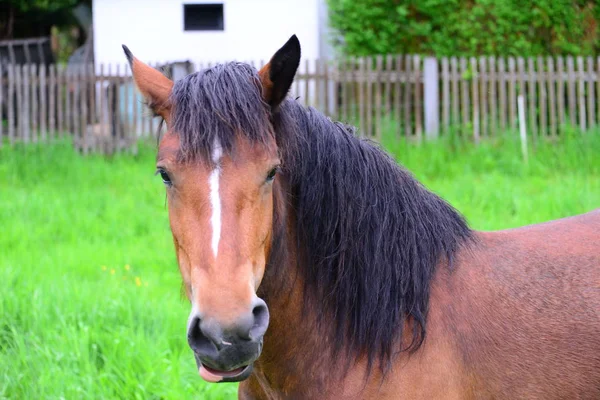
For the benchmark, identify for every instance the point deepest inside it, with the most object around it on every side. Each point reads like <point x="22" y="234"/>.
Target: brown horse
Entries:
<point x="291" y="231"/>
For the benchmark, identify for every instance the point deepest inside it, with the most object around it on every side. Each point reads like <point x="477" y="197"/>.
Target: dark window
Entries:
<point x="203" y="17"/>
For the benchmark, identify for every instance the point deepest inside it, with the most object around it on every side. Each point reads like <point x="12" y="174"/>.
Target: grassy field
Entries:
<point x="90" y="303"/>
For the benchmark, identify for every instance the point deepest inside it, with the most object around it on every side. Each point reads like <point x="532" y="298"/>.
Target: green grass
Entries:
<point x="494" y="188"/>
<point x="76" y="323"/>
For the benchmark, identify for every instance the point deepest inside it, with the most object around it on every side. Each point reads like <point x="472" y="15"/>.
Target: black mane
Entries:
<point x="370" y="233"/>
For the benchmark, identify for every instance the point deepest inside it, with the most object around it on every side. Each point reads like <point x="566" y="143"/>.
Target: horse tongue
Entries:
<point x="213" y="375"/>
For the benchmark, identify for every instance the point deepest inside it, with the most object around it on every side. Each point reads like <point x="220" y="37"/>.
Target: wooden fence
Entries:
<point x="408" y="95"/>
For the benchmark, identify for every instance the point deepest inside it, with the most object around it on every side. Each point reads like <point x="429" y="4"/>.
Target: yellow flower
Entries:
<point x="104" y="268"/>
<point x="112" y="271"/>
<point x="127" y="267"/>
<point x="138" y="281"/>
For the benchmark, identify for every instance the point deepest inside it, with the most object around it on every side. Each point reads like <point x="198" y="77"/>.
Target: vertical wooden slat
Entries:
<point x="111" y="144"/>
<point x="369" y="100"/>
<point x="378" y="100"/>
<point x="492" y="82"/>
<point x="317" y="85"/>
<point x="551" y="75"/>
<point x="571" y="90"/>
<point x="84" y="101"/>
<point x="336" y="84"/>
<point x="306" y="82"/>
<point x="581" y="93"/>
<point x="18" y="71"/>
<point x="21" y="115"/>
<point x="542" y="93"/>
<point x="591" y="101"/>
<point x="328" y="81"/>
<point x="61" y="99"/>
<point x="418" y="96"/>
<point x="33" y="74"/>
<point x="68" y="100"/>
<point x="76" y="104"/>
<point x="512" y="94"/>
<point x="445" y="94"/>
<point x="354" y="91"/>
<point x="91" y="78"/>
<point x="388" y="85"/>
<point x="323" y="85"/>
<point x="455" y="93"/>
<point x="52" y="101"/>
<point x="101" y="108"/>
<point x="330" y="72"/>
<point x="521" y="81"/>
<point x="408" y="92"/>
<point x="483" y="85"/>
<point x="11" y="103"/>
<point x="531" y="75"/>
<point x="126" y="124"/>
<point x="351" y="90"/>
<point x="117" y="110"/>
<point x="502" y="89"/>
<point x="26" y="103"/>
<point x="398" y="95"/>
<point x="475" y="91"/>
<point x="18" y="103"/>
<point x="343" y="90"/>
<point x="560" y="92"/>
<point x="43" y="102"/>
<point x="464" y="83"/>
<point x="361" y="95"/>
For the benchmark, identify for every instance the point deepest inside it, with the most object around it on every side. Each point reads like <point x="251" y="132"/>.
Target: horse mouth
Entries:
<point x="214" y="375"/>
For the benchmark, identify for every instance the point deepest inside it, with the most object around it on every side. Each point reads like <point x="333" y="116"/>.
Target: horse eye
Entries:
<point x="272" y="174"/>
<point x="165" y="177"/>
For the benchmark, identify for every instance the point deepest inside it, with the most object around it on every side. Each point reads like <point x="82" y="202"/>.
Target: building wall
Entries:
<point x="254" y="30"/>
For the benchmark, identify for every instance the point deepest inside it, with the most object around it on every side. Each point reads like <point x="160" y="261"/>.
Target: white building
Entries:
<point x="200" y="31"/>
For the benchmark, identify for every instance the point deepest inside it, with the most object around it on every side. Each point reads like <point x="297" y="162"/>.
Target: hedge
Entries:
<point x="466" y="28"/>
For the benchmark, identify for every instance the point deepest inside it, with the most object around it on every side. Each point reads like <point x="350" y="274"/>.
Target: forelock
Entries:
<point x="220" y="102"/>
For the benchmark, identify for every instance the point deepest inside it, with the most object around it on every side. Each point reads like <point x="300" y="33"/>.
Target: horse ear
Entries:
<point x="277" y="76"/>
<point x="153" y="85"/>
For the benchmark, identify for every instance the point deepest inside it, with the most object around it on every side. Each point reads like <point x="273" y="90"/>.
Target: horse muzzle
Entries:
<point x="227" y="354"/>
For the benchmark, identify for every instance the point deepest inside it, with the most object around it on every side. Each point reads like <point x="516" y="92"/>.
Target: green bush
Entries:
<point x="471" y="27"/>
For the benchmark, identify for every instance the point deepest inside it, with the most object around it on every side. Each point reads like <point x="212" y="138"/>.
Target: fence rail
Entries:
<point x="411" y="95"/>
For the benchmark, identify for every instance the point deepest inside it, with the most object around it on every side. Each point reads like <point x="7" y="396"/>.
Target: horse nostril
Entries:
<point x="205" y="341"/>
<point x="260" y="313"/>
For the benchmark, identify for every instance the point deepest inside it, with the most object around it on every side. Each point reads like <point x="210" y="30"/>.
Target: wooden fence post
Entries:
<point x="431" y="97"/>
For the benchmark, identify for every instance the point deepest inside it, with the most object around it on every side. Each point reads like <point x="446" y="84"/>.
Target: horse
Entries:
<point x="317" y="266"/>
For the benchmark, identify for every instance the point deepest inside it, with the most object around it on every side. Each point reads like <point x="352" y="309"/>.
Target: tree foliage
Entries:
<point x="28" y="18"/>
<point x="40" y="5"/>
<point x="467" y="27"/>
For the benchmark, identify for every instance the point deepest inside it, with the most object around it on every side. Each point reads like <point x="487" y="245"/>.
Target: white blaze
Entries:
<point x="215" y="200"/>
